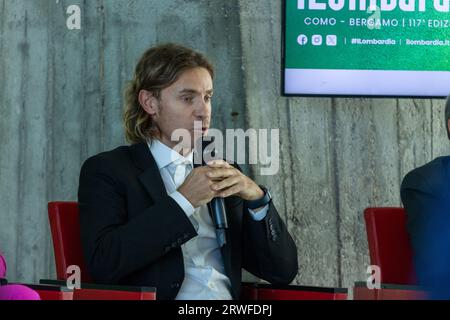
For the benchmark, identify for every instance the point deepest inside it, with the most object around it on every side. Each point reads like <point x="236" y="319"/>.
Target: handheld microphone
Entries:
<point x="217" y="205"/>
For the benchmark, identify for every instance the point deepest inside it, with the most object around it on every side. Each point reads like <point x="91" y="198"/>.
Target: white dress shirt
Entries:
<point x="205" y="277"/>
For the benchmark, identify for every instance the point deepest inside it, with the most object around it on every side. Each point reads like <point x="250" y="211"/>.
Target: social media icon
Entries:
<point x="331" y="40"/>
<point x="316" y="40"/>
<point x="302" y="40"/>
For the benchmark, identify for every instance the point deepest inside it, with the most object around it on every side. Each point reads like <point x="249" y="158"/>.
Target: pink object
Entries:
<point x="15" y="292"/>
<point x="2" y="267"/>
<point x="18" y="292"/>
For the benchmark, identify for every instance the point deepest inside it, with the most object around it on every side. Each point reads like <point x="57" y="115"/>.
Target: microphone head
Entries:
<point x="204" y="151"/>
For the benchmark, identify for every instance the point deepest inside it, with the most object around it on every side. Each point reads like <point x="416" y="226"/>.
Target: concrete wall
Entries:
<point x="61" y="97"/>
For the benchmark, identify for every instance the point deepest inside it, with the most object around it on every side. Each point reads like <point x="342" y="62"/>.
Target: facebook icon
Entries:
<point x="302" y="40"/>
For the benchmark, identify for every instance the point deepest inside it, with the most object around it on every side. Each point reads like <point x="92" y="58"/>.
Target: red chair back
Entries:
<point x="65" y="229"/>
<point x="389" y="244"/>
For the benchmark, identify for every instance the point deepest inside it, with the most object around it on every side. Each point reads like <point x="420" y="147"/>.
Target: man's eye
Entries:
<point x="188" y="99"/>
<point x="208" y="98"/>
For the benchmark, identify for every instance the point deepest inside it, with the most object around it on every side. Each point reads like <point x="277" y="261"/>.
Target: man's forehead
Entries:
<point x="197" y="80"/>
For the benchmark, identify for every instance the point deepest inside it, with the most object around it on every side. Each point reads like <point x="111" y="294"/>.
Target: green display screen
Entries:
<point x="358" y="47"/>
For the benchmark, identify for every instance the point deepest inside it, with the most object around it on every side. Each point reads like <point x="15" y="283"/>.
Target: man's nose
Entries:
<point x="202" y="110"/>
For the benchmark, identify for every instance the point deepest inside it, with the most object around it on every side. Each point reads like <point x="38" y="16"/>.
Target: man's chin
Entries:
<point x="200" y="133"/>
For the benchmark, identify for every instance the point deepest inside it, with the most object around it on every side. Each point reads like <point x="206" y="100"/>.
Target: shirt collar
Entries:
<point x="164" y="155"/>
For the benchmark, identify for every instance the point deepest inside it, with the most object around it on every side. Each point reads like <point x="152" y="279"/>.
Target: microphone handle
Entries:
<point x="217" y="205"/>
<point x="219" y="216"/>
<point x="219" y="212"/>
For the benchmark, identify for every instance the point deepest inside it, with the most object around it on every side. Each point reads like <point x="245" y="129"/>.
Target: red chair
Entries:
<point x="389" y="244"/>
<point x="390" y="249"/>
<point x="65" y="229"/>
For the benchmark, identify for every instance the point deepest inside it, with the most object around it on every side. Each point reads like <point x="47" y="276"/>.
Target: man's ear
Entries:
<point x="148" y="102"/>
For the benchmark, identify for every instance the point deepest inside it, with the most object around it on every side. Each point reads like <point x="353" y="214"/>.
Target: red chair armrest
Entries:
<point x="259" y="291"/>
<point x="388" y="291"/>
<point x="102" y="294"/>
<point x="50" y="292"/>
<point x="107" y="292"/>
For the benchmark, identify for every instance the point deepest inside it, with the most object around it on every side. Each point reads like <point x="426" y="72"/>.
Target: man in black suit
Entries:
<point x="143" y="208"/>
<point x="425" y="193"/>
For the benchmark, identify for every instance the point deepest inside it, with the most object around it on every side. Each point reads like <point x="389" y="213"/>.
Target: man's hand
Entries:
<point x="197" y="187"/>
<point x="228" y="181"/>
<point x="218" y="179"/>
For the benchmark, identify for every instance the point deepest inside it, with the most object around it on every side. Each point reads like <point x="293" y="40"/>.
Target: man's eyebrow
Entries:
<point x="192" y="91"/>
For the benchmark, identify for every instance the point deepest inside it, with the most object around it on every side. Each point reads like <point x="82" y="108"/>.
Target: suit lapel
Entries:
<point x="150" y="177"/>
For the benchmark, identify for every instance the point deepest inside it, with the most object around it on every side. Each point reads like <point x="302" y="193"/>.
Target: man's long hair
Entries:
<point x="157" y="69"/>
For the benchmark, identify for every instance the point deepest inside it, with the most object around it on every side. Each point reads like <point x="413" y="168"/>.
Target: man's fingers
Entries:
<point x="225" y="183"/>
<point x="221" y="173"/>
<point x="231" y="191"/>
<point x="219" y="164"/>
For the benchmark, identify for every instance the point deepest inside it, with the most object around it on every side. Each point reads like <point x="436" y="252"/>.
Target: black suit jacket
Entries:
<point x="425" y="193"/>
<point x="132" y="231"/>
